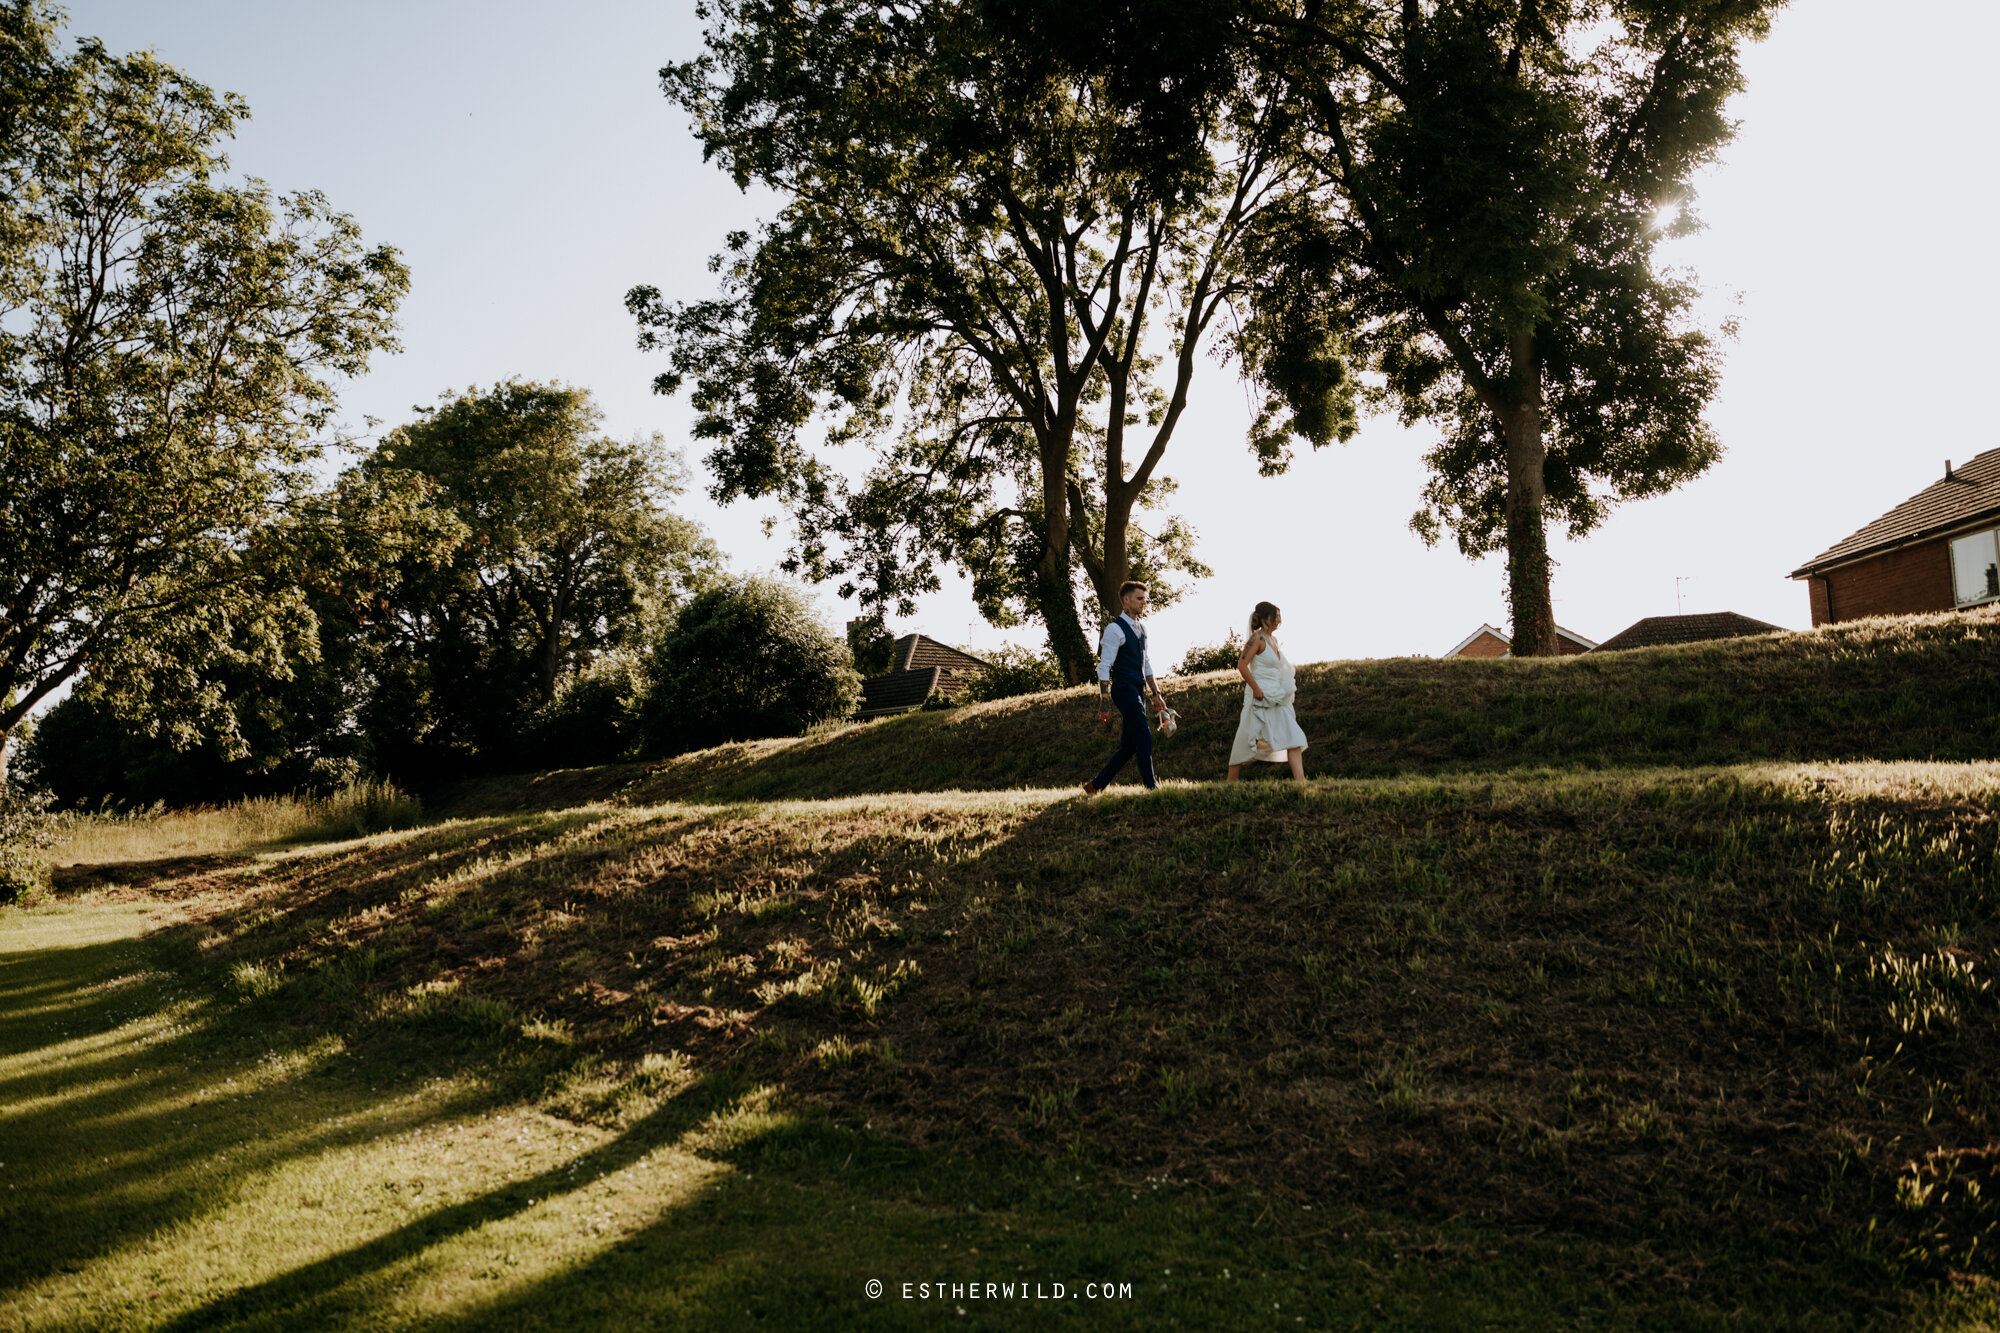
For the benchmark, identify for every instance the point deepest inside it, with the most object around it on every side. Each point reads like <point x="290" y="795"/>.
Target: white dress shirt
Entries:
<point x="1114" y="639"/>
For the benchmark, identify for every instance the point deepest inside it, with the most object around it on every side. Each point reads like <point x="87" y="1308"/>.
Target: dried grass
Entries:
<point x="146" y="835"/>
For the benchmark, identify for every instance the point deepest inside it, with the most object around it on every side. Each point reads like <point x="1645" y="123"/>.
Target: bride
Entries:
<point x="1268" y="730"/>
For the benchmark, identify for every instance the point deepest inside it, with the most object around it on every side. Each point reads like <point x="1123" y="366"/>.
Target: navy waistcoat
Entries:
<point x="1130" y="663"/>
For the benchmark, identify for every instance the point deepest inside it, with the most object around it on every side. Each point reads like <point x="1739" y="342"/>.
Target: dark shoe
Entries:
<point x="1091" y="789"/>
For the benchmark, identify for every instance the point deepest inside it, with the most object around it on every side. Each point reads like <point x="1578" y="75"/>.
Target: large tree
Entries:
<point x="296" y="726"/>
<point x="1493" y="178"/>
<point x="168" y="350"/>
<point x="1486" y="183"/>
<point x="571" y="551"/>
<point x="986" y="268"/>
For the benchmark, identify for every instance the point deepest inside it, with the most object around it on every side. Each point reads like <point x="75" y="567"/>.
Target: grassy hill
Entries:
<point x="1540" y="1030"/>
<point x="1919" y="687"/>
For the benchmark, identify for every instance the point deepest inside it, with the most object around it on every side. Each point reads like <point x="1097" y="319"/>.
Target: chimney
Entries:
<point x="1947" y="471"/>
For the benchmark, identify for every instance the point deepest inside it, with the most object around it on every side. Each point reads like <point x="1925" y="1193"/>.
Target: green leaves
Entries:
<point x="566" y="551"/>
<point x="987" y="270"/>
<point x="166" y="381"/>
<point x="1477" y="228"/>
<point x="745" y="659"/>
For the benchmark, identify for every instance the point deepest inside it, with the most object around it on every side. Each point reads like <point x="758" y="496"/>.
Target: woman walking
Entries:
<point x="1268" y="730"/>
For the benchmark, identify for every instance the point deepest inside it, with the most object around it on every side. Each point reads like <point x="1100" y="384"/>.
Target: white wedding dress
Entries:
<point x="1269" y="720"/>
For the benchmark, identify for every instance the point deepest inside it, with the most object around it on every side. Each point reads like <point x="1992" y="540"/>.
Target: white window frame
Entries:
<point x="1992" y="537"/>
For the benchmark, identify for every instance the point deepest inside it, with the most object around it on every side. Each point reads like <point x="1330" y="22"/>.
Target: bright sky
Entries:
<point x="522" y="158"/>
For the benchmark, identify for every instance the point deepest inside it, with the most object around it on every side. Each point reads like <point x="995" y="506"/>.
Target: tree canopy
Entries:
<point x="169" y="345"/>
<point x="1493" y="180"/>
<point x="1480" y="190"/>
<point x="985" y="268"/>
<point x="571" y="551"/>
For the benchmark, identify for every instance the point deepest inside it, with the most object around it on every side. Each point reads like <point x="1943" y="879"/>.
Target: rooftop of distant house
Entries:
<point x="1967" y="494"/>
<point x="1655" y="631"/>
<point x="915" y="651"/>
<point x="1487" y="641"/>
<point x="918" y="668"/>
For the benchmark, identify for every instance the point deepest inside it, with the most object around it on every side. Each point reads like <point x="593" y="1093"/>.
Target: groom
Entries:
<point x="1124" y="673"/>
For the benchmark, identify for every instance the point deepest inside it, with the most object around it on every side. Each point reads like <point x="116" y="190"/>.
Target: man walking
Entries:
<point x="1124" y="676"/>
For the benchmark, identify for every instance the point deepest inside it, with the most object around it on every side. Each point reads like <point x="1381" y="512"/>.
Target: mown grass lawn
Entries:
<point x="172" y="1167"/>
<point x="1655" y="1050"/>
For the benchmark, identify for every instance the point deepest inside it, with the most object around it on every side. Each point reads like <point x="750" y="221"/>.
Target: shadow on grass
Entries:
<point x="1591" y="1007"/>
<point x="121" y="1139"/>
<point x="316" y="1293"/>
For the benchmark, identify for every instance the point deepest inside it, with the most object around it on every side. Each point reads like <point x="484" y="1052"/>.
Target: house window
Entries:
<point x="1975" y="568"/>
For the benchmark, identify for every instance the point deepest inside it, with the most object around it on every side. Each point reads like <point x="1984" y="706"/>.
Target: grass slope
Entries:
<point x="1666" y="1048"/>
<point x="1920" y="687"/>
<point x="1570" y="1004"/>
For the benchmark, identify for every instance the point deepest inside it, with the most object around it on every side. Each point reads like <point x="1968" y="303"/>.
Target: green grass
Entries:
<point x="1639" y="1049"/>
<point x="1919" y="687"/>
<point x="172" y="1168"/>
<point x="1613" y="992"/>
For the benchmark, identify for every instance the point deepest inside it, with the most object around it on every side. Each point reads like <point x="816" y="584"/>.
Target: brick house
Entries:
<point x="1487" y="641"/>
<point x="919" y="668"/>
<point x="1936" y="551"/>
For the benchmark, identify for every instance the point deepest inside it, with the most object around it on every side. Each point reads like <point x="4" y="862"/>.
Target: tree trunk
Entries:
<point x="550" y="665"/>
<point x="1051" y="597"/>
<point x="1116" y="561"/>
<point x="1529" y="603"/>
<point x="1055" y="603"/>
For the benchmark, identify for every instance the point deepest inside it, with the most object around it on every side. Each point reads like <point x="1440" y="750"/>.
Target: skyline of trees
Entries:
<point x="1008" y="233"/>
<point x="168" y="350"/>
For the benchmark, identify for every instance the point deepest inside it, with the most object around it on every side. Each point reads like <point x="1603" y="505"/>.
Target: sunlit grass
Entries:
<point x="146" y="835"/>
<point x="175" y="1165"/>
<point x="1911" y="687"/>
<point x="710" y="1065"/>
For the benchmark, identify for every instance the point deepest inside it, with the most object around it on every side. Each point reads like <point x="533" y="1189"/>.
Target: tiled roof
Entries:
<point x="914" y="651"/>
<point x="1971" y="493"/>
<point x="1656" y="630"/>
<point x="896" y="691"/>
<point x="1585" y="644"/>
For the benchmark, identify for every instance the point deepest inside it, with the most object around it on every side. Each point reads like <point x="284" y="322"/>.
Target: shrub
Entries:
<point x="744" y="660"/>
<point x="597" y="719"/>
<point x="27" y="831"/>
<point x="1015" y="670"/>
<point x="1211" y="657"/>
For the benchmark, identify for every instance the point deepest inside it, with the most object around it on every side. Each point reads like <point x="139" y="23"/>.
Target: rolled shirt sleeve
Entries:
<point x="1107" y="651"/>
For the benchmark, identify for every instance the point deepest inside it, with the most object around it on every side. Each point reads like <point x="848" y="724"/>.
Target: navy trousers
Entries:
<point x="1136" y="739"/>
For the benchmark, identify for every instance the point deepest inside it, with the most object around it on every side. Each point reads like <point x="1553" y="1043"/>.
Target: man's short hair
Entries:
<point x="1127" y="588"/>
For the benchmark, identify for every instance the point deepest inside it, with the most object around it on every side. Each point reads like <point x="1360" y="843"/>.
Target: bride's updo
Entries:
<point x="1264" y="613"/>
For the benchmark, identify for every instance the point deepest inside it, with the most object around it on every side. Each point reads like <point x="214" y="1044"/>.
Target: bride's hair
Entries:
<point x="1261" y="615"/>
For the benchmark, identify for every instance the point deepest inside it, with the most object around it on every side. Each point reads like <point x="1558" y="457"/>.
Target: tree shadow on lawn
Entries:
<point x="131" y="1138"/>
<point x="819" y="1209"/>
<point x="319" y="1293"/>
<point x="163" y="877"/>
<point x="139" y="1076"/>
<point x="1430" y="999"/>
